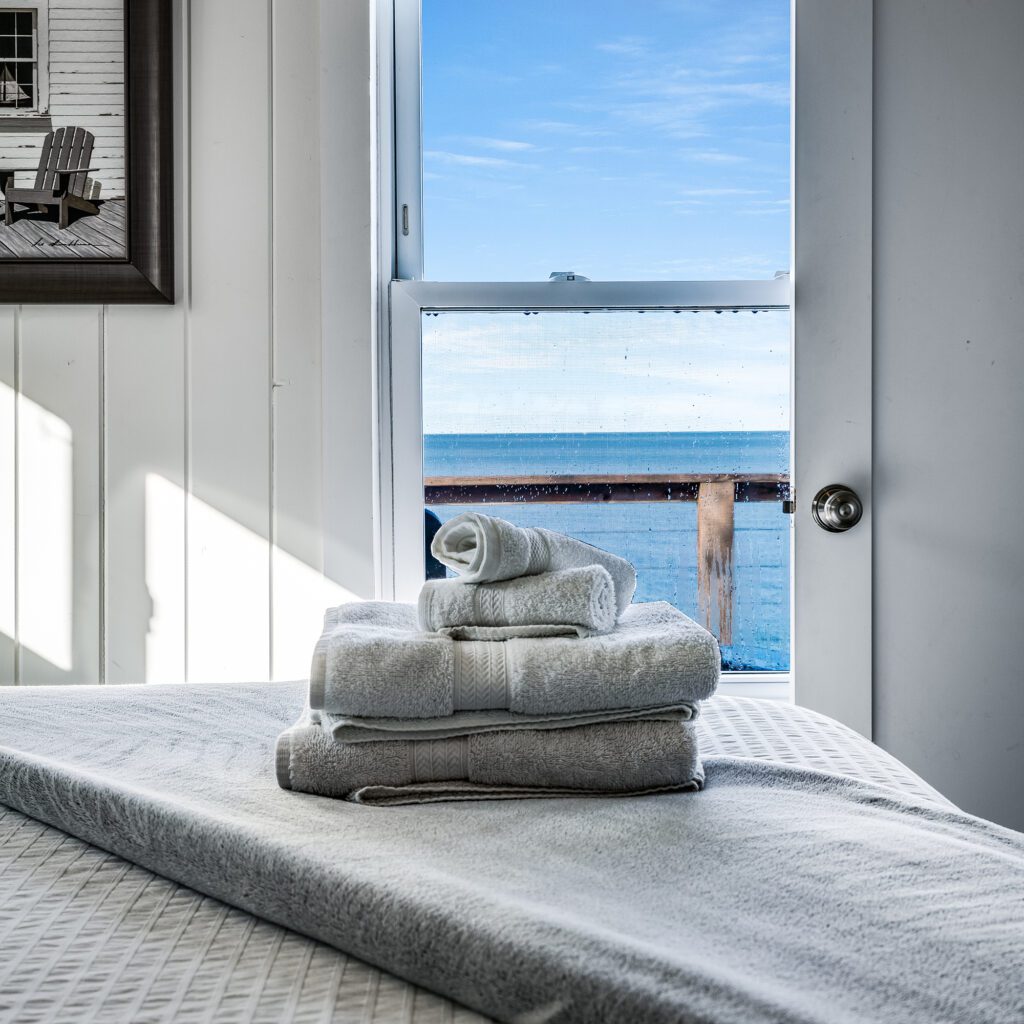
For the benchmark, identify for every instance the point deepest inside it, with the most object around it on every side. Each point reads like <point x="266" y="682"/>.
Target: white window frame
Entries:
<point x="41" y="9"/>
<point x="405" y="296"/>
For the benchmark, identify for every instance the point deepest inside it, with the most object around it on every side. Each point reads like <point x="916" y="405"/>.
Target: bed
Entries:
<point x="87" y="935"/>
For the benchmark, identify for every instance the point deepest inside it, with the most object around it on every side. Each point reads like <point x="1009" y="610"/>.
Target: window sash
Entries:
<point x="39" y="10"/>
<point x="400" y="397"/>
<point x="405" y="296"/>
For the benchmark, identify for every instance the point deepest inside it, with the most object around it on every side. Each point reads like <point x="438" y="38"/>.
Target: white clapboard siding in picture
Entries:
<point x="82" y="59"/>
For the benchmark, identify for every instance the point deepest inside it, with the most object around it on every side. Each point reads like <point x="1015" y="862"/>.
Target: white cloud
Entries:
<point x="627" y="46"/>
<point x="605" y="371"/>
<point x="503" y="145"/>
<point x="724" y="192"/>
<point x="714" y="156"/>
<point x="468" y="159"/>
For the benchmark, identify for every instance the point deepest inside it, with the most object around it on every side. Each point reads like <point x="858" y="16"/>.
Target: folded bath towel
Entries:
<point x="462" y="723"/>
<point x="566" y="602"/>
<point x="619" y="757"/>
<point x="483" y="549"/>
<point x="372" y="661"/>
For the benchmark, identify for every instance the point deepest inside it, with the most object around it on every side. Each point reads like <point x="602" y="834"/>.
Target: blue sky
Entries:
<point x="623" y="140"/>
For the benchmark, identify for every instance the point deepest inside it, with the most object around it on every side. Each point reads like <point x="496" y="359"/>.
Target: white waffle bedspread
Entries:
<point x="87" y="936"/>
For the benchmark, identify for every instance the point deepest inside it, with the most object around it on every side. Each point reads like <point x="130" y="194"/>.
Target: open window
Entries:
<point x="588" y="327"/>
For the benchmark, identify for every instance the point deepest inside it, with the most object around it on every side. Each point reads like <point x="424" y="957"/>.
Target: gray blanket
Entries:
<point x="778" y="894"/>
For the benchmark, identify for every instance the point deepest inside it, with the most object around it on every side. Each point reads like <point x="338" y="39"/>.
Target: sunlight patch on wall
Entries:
<point x="45" y="533"/>
<point x="301" y="594"/>
<point x="228" y="596"/>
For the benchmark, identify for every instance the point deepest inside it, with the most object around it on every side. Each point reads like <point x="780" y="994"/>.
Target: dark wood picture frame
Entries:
<point x="146" y="275"/>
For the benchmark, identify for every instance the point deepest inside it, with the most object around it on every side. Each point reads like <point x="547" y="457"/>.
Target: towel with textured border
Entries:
<point x="566" y="602"/>
<point x="372" y="661"/>
<point x="483" y="549"/>
<point x="628" y="757"/>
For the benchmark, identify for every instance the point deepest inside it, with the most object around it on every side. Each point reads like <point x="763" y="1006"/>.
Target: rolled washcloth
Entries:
<point x="372" y="661"/>
<point x="482" y="549"/>
<point x="619" y="757"/>
<point x="566" y="602"/>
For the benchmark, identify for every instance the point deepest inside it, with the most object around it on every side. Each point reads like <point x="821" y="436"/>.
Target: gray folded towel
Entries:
<point x="616" y="757"/>
<point x="372" y="661"/>
<point x="462" y="723"/>
<point x="483" y="549"/>
<point x="566" y="602"/>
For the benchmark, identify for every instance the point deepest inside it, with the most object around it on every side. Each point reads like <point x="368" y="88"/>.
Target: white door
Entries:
<point x="667" y="419"/>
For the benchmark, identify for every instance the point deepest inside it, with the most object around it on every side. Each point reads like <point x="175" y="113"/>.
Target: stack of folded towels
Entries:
<point x="530" y="674"/>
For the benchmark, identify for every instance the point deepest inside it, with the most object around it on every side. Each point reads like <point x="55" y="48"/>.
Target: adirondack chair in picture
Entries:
<point x="60" y="177"/>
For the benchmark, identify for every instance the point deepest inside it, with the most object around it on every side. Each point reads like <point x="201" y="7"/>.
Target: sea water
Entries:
<point x="659" y="538"/>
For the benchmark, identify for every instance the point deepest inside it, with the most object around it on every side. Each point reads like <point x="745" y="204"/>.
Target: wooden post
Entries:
<point x="715" y="587"/>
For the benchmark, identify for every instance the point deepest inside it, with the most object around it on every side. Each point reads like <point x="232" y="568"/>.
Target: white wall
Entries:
<point x="949" y="396"/>
<point x="162" y="468"/>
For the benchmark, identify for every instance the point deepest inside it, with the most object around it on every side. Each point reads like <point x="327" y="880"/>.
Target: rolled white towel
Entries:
<point x="566" y="602"/>
<point x="482" y="549"/>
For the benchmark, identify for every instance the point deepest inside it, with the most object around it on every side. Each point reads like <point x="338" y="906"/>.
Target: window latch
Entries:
<point x="566" y="275"/>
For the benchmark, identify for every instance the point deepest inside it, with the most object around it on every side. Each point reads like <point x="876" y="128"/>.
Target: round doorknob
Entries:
<point x="836" y="508"/>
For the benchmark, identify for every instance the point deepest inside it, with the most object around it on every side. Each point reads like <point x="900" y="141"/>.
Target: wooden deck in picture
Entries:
<point x="35" y="235"/>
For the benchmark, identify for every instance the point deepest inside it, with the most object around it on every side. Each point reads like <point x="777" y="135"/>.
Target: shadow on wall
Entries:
<point x="224" y="644"/>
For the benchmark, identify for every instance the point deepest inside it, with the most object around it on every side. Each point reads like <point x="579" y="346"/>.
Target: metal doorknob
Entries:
<point x="836" y="508"/>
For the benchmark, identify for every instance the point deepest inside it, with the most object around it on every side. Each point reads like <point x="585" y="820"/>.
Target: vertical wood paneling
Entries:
<point x="59" y="495"/>
<point x="349" y="297"/>
<point x="299" y="591"/>
<point x="146" y="470"/>
<point x="171" y="511"/>
<point x="229" y="354"/>
<point x="8" y="478"/>
<point x="145" y="495"/>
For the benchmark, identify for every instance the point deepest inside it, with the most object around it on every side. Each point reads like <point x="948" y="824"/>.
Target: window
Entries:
<point x="23" y="51"/>
<point x="641" y="402"/>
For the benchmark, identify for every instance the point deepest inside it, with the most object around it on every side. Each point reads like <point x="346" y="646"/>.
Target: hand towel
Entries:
<point x="483" y="549"/>
<point x="373" y="662"/>
<point x="614" y="757"/>
<point x="566" y="602"/>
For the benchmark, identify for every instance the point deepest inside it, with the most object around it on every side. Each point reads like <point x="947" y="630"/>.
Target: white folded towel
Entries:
<point x="567" y="602"/>
<point x="372" y="661"/>
<point x="482" y="549"/>
<point x="464" y="723"/>
<point x="610" y="758"/>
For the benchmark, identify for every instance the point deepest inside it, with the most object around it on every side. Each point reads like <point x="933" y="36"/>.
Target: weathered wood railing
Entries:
<point x="714" y="493"/>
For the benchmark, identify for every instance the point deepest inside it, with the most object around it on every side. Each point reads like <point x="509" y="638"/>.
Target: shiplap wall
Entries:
<point x="162" y="468"/>
<point x="85" y="64"/>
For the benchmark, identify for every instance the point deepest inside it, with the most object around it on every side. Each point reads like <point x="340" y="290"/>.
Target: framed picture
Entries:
<point x="86" y="151"/>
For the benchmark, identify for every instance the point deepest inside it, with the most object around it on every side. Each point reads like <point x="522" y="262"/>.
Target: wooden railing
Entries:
<point x="715" y="494"/>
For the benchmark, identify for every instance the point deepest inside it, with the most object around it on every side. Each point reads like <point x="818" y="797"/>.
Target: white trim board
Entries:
<point x="832" y="336"/>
